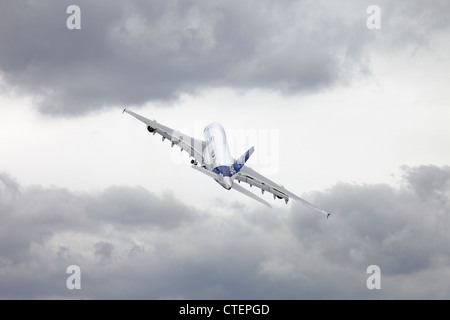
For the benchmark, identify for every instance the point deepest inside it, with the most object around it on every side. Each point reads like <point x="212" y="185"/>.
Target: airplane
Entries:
<point x="211" y="157"/>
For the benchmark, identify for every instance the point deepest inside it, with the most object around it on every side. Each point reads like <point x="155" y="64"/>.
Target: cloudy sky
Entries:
<point x="353" y="119"/>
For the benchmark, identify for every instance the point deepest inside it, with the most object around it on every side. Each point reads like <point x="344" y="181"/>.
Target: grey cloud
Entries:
<point x="413" y="22"/>
<point x="133" y="53"/>
<point x="138" y="52"/>
<point x="285" y="253"/>
<point x="104" y="250"/>
<point x="134" y="207"/>
<point x="429" y="181"/>
<point x="401" y="230"/>
<point x="33" y="216"/>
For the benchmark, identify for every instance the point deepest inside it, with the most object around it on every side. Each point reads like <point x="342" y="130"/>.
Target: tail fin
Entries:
<point x="239" y="163"/>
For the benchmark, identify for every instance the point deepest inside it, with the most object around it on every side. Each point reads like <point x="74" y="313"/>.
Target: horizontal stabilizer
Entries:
<point x="250" y="194"/>
<point x="207" y="172"/>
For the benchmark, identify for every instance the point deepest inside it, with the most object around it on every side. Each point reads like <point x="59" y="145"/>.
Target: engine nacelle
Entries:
<point x="150" y="129"/>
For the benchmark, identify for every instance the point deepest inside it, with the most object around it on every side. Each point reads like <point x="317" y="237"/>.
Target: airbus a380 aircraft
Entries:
<point x="212" y="157"/>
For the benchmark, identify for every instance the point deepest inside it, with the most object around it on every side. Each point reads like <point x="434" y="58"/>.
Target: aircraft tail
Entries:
<point x="239" y="163"/>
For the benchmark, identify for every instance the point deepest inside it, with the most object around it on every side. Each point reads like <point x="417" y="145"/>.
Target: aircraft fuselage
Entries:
<point x="217" y="154"/>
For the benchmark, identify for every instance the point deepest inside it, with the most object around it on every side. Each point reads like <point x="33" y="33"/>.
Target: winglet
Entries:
<point x="328" y="215"/>
<point x="124" y="110"/>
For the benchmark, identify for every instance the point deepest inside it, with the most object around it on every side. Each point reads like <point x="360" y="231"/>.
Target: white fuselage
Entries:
<point x="217" y="154"/>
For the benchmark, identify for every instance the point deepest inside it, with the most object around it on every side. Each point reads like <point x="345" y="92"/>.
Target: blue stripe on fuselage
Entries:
<point x="224" y="170"/>
<point x="237" y="166"/>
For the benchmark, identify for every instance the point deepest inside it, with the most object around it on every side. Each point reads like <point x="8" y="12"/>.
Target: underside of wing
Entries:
<point x="253" y="178"/>
<point x="193" y="147"/>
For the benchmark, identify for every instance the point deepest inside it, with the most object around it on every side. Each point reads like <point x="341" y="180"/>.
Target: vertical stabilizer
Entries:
<point x="239" y="163"/>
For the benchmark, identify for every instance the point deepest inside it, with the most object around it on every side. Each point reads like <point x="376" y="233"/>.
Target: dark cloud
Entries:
<point x="130" y="243"/>
<point x="33" y="216"/>
<point x="401" y="230"/>
<point x="135" y="52"/>
<point x="429" y="181"/>
<point x="132" y="207"/>
<point x="104" y="250"/>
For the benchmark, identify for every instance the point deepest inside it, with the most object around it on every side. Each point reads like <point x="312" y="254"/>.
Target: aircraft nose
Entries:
<point x="227" y="183"/>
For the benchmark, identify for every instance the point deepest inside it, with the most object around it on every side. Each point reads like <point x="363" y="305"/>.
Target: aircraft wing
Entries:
<point x="193" y="147"/>
<point x="253" y="178"/>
